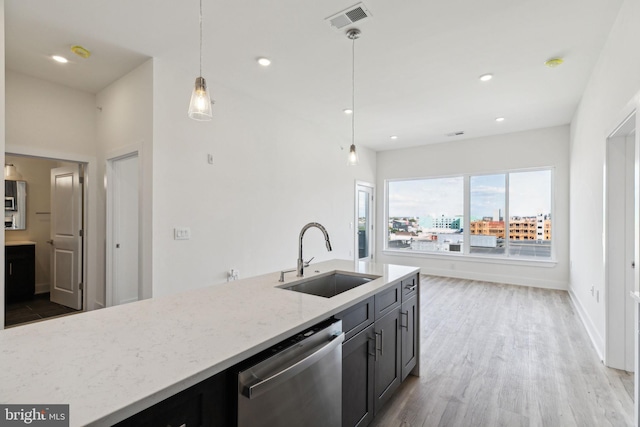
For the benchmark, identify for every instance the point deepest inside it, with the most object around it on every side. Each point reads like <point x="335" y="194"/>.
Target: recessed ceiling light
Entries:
<point x="499" y="119"/>
<point x="486" y="77"/>
<point x="348" y="111"/>
<point x="60" y="59"/>
<point x="265" y="62"/>
<point x="394" y="137"/>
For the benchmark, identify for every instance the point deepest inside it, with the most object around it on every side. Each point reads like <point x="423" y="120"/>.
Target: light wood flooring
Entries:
<point x="502" y="355"/>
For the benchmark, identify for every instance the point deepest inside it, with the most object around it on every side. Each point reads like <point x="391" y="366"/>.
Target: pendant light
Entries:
<point x="353" y="34"/>
<point x="200" y="105"/>
<point x="11" y="174"/>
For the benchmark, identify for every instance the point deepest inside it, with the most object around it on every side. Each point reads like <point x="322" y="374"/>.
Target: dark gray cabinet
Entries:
<point x="19" y="272"/>
<point x="409" y="335"/>
<point x="205" y="404"/>
<point x="381" y="349"/>
<point x="387" y="357"/>
<point x="358" y="379"/>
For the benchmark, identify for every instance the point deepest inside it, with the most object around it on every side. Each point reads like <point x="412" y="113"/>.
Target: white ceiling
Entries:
<point x="417" y="61"/>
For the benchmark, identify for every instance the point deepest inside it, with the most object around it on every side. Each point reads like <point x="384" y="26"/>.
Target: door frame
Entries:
<point x="616" y="230"/>
<point x="90" y="191"/>
<point x="372" y="213"/>
<point x="112" y="157"/>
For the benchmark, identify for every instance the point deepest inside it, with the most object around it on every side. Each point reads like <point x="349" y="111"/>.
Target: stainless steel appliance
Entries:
<point x="9" y="203"/>
<point x="295" y="383"/>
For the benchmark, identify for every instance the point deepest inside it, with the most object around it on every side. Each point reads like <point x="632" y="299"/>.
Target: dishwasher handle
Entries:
<point x="291" y="371"/>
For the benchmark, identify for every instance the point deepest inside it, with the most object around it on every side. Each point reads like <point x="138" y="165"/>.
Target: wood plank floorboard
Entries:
<point x="504" y="355"/>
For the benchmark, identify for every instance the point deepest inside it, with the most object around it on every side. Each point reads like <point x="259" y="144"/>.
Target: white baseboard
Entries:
<point x="497" y="278"/>
<point x="42" y="288"/>
<point x="596" y="339"/>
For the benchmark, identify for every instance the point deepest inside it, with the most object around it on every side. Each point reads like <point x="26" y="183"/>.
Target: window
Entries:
<point x="509" y="215"/>
<point x="487" y="214"/>
<point x="426" y="215"/>
<point x="530" y="203"/>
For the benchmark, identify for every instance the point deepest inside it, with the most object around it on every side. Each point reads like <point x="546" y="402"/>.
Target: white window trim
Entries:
<point x="467" y="256"/>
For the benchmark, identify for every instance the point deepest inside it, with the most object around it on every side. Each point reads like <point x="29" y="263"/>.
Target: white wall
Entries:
<point x="272" y="174"/>
<point x="48" y="116"/>
<point x="606" y="101"/>
<point x="535" y="148"/>
<point x="124" y="125"/>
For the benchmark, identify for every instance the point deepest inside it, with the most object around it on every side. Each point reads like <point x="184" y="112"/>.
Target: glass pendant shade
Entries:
<point x="353" y="156"/>
<point x="200" y="106"/>
<point x="11" y="174"/>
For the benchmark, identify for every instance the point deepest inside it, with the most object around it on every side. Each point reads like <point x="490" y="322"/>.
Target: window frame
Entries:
<point x="466" y="255"/>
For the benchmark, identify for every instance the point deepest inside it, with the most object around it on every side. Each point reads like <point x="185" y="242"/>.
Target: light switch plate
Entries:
<point x="181" y="233"/>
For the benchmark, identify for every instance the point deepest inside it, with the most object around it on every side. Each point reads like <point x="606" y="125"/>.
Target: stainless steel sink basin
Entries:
<point x="329" y="285"/>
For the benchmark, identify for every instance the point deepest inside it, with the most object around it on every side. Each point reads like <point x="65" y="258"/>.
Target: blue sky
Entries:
<point x="529" y="194"/>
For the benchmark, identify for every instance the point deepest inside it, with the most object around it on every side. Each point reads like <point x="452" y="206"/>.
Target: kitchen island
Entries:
<point x="112" y="363"/>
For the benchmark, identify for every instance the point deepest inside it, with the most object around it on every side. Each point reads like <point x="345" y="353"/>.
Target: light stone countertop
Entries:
<point x="19" y="243"/>
<point x="112" y="363"/>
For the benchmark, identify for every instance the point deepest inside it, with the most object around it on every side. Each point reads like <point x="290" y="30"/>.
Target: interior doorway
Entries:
<point x="123" y="230"/>
<point x="45" y="258"/>
<point x="364" y="238"/>
<point x="620" y="251"/>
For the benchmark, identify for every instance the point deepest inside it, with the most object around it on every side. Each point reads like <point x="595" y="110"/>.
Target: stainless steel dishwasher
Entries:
<point x="295" y="383"/>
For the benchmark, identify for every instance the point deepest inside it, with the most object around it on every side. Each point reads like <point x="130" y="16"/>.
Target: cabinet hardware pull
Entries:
<point x="375" y="342"/>
<point x="381" y="335"/>
<point x="10" y="269"/>
<point x="378" y="348"/>
<point x="404" y="313"/>
<point x="410" y="287"/>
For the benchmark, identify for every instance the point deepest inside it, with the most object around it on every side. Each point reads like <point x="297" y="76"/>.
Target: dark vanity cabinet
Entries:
<point x="380" y="350"/>
<point x="19" y="272"/>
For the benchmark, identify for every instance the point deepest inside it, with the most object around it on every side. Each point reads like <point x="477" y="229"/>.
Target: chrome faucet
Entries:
<point x="301" y="263"/>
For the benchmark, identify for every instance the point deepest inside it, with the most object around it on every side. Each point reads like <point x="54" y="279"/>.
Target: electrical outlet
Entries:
<point x="233" y="274"/>
<point x="181" y="233"/>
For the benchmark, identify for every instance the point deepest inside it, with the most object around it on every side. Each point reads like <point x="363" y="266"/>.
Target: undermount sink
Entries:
<point x="329" y="285"/>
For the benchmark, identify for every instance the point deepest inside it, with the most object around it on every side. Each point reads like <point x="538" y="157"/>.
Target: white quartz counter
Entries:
<point x="110" y="364"/>
<point x="19" y="243"/>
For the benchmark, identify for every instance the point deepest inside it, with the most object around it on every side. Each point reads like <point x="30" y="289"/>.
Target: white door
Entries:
<point x="123" y="234"/>
<point x="66" y="237"/>
<point x="364" y="222"/>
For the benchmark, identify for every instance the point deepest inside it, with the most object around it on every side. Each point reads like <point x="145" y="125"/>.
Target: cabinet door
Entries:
<point x="358" y="379"/>
<point x="387" y="357"/>
<point x="356" y="318"/>
<point x="387" y="301"/>
<point x="408" y="323"/>
<point x="203" y="405"/>
<point x="19" y="272"/>
<point x="410" y="287"/>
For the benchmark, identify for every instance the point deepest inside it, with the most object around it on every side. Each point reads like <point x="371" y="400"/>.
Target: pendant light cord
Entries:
<point x="353" y="90"/>
<point x="200" y="38"/>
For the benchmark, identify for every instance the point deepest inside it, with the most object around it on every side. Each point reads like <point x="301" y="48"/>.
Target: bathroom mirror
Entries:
<point x="15" y="205"/>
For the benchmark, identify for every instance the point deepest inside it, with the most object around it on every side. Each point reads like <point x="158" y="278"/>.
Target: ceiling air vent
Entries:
<point x="355" y="13"/>
<point x="458" y="133"/>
